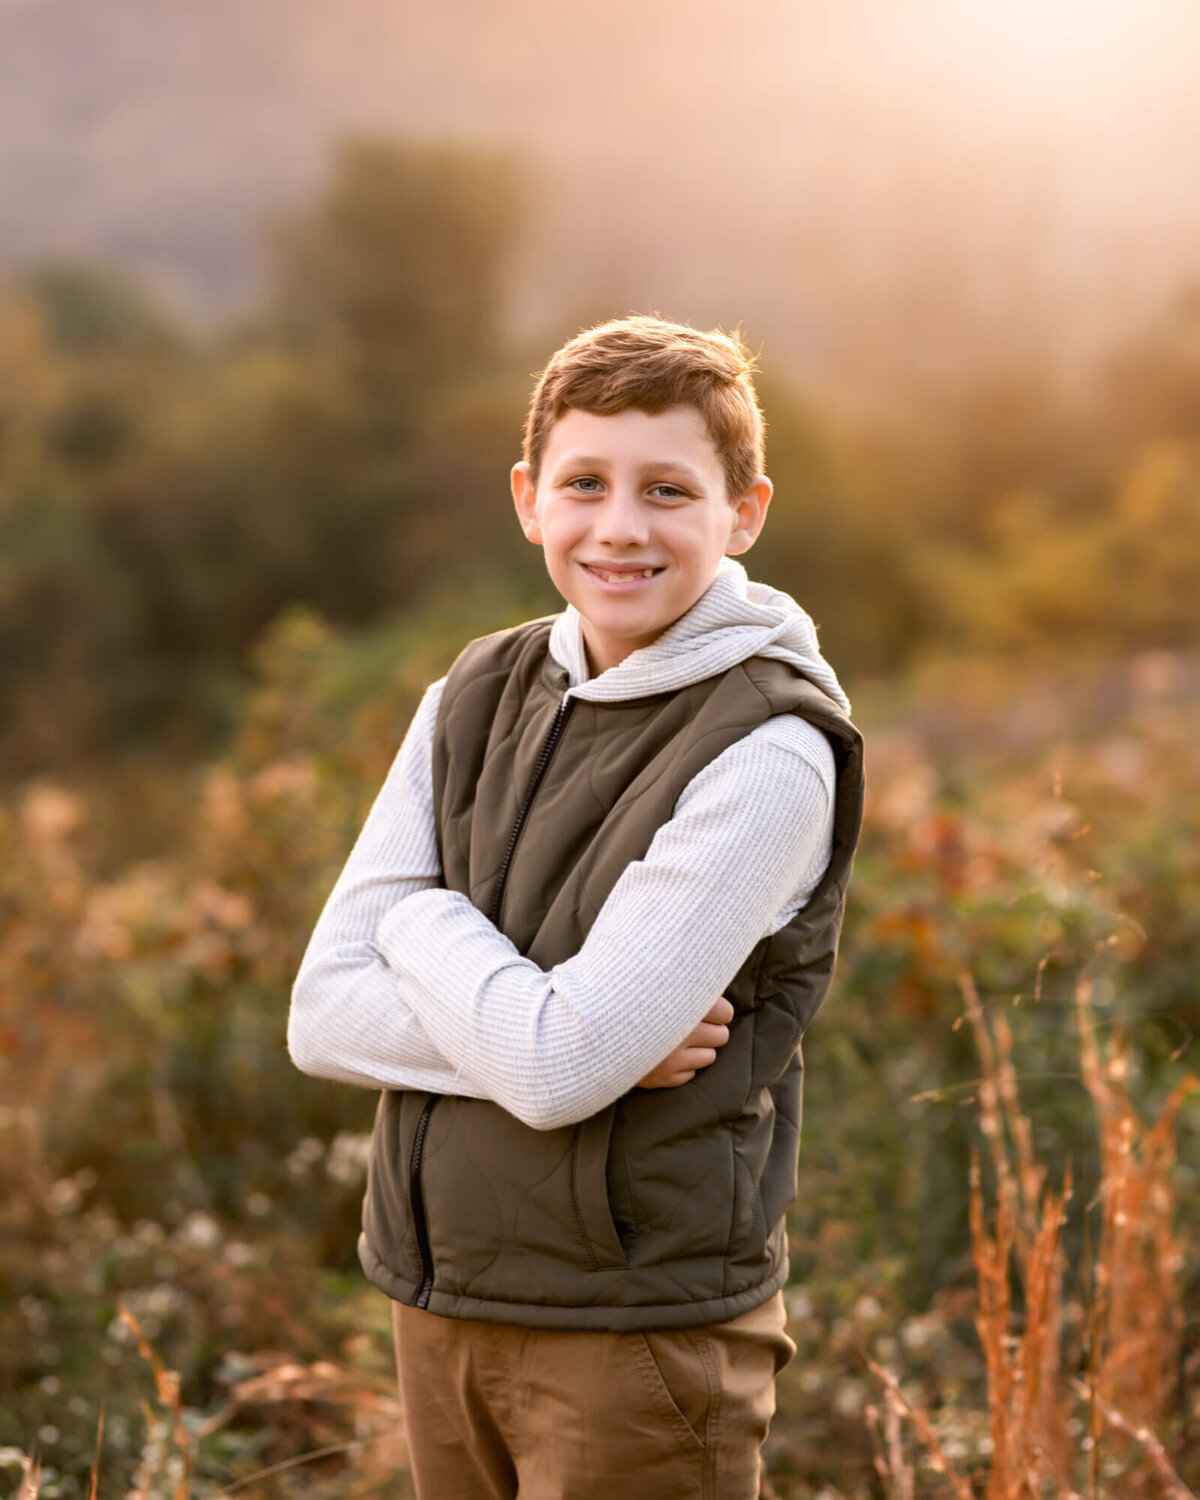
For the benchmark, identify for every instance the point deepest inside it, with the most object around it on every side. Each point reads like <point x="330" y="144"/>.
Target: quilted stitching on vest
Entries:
<point x="666" y="1208"/>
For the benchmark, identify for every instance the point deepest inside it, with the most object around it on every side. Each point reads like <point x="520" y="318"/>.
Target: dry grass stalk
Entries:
<point x="1030" y="1175"/>
<point x="892" y="1430"/>
<point x="891" y="1463"/>
<point x="94" y="1482"/>
<point x="1030" y="1444"/>
<point x="280" y="1380"/>
<point x="1135" y="1321"/>
<point x="31" y="1478"/>
<point x="331" y="1450"/>
<point x="1175" y="1489"/>
<point x="149" y="1459"/>
<point x="1138" y="1328"/>
<point x="924" y="1428"/>
<point x="380" y="1449"/>
<point x="992" y="1322"/>
<point x="991" y="1103"/>
<point x="166" y="1383"/>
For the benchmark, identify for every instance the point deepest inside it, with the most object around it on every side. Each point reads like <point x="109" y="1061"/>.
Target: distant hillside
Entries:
<point x="158" y="131"/>
<point x="823" y="174"/>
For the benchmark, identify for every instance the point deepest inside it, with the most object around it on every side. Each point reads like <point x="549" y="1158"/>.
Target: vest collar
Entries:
<point x="733" y="620"/>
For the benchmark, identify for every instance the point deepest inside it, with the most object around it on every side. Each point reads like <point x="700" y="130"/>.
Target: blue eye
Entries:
<point x="584" y="482"/>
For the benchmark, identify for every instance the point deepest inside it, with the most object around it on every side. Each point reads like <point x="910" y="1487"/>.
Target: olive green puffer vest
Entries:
<point x="666" y="1208"/>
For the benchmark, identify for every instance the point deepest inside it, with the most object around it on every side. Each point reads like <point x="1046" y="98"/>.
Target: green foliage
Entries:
<point x="165" y="497"/>
<point x="161" y="501"/>
<point x="397" y="272"/>
<point x="830" y="540"/>
<point x="1151" y="386"/>
<point x="1121" y="576"/>
<point x="260" y="548"/>
<point x="157" y="1148"/>
<point x="97" y="310"/>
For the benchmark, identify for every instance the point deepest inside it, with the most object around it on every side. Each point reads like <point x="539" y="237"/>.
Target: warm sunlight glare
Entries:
<point x="1053" y="56"/>
<point x="1067" y="26"/>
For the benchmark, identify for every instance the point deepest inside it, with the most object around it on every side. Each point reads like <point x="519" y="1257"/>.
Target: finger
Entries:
<point x="668" y="1080"/>
<point x="698" y="1057"/>
<point x="720" y="1013"/>
<point x="708" y="1036"/>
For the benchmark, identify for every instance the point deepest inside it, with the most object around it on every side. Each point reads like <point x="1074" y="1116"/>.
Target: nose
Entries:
<point x="620" y="520"/>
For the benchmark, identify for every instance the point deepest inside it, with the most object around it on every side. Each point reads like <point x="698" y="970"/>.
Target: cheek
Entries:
<point x="558" y="541"/>
<point x="557" y="534"/>
<point x="697" y="548"/>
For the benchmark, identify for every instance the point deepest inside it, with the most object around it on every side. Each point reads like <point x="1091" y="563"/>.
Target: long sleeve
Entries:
<point x="747" y="842"/>
<point x="349" y="1018"/>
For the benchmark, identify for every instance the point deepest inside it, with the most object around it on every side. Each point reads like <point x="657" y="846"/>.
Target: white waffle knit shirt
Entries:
<point x="406" y="985"/>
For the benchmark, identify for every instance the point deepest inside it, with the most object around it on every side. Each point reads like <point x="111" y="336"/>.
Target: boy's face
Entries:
<point x="633" y="515"/>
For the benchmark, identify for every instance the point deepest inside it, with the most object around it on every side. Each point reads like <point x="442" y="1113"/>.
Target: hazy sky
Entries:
<point x="844" y="178"/>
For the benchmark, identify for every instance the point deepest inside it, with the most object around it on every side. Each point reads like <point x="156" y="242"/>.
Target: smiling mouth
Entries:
<point x="620" y="575"/>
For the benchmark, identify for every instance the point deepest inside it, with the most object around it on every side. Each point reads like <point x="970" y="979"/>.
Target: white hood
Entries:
<point x="733" y="620"/>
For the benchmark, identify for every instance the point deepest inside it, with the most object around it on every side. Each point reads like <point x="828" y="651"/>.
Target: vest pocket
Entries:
<point x="516" y="1214"/>
<point x="387" y="1217"/>
<point x="589" y="1190"/>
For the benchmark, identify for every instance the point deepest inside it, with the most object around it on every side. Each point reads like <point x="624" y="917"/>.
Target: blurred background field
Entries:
<point x="272" y="287"/>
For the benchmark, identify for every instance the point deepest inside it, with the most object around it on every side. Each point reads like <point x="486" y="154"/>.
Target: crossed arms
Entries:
<point x="408" y="985"/>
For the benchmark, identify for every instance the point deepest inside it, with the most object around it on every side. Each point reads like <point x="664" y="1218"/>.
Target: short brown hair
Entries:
<point x="651" y="365"/>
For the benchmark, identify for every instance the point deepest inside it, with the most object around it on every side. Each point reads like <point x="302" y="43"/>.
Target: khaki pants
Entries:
<point x="494" y="1413"/>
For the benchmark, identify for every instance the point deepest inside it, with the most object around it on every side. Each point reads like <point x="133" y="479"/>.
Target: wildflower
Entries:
<point x="64" y="1197"/>
<point x="849" y="1398"/>
<point x="305" y="1155"/>
<point x="348" y="1156"/>
<point x="199" y="1231"/>
<point x="800" y="1306"/>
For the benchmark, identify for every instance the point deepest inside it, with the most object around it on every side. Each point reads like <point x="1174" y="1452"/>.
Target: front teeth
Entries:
<point x="614" y="577"/>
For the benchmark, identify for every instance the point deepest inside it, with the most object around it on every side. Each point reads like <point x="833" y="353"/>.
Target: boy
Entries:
<point x="577" y="942"/>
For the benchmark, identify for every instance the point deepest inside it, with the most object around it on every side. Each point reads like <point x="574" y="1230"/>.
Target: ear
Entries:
<point x="749" y="514"/>
<point x="524" y="493"/>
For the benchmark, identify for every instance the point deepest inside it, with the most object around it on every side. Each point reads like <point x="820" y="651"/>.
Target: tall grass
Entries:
<point x="1077" y="1407"/>
<point x="302" y="1397"/>
<point x="158" y="1153"/>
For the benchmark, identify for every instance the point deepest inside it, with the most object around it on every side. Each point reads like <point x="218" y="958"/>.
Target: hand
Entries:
<point x="695" y="1051"/>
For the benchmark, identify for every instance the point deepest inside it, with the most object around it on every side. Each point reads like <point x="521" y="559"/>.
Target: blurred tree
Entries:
<point x="1152" y="546"/>
<point x="229" y="508"/>
<point x="93" y="309"/>
<point x="835" y="539"/>
<point x="162" y="499"/>
<point x="458" y="524"/>
<point x="397" y="272"/>
<point x="1120" y="577"/>
<point x="31" y="376"/>
<point x="119" y="345"/>
<point x="1151" y="385"/>
<point x="64" y="609"/>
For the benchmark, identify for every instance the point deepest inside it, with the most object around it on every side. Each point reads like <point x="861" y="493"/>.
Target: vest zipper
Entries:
<point x="417" y="1201"/>
<point x="416" y="1197"/>
<point x="561" y="716"/>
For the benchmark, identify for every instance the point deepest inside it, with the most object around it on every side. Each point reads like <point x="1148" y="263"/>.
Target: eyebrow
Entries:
<point x="657" y="466"/>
